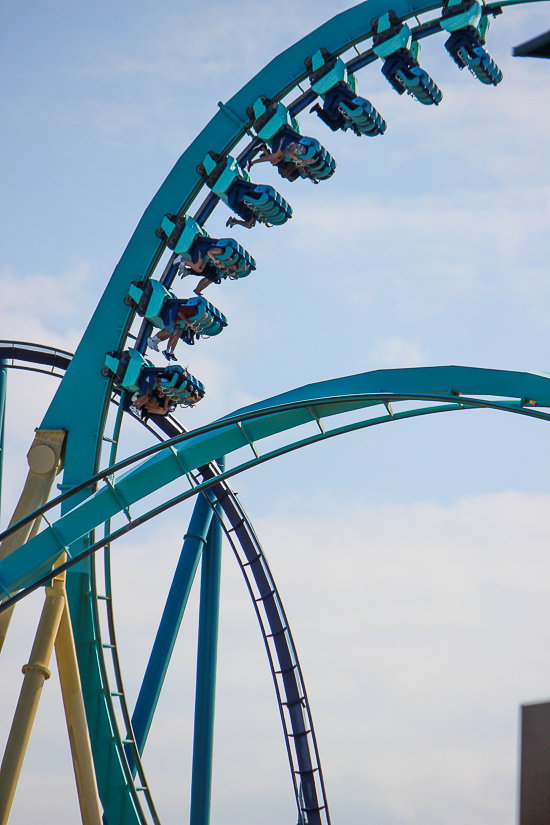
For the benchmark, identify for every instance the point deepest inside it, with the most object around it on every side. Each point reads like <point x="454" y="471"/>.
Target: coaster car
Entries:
<point x="250" y="201"/>
<point x="468" y="28"/>
<point x="342" y="107"/>
<point x="189" y="240"/>
<point x="136" y="374"/>
<point x="306" y="157"/>
<point x="393" y="43"/>
<point x="161" y="309"/>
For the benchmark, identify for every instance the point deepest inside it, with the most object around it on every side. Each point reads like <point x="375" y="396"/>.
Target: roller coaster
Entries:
<point x="111" y="368"/>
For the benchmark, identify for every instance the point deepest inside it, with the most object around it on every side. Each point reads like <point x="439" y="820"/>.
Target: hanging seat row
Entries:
<point x="161" y="307"/>
<point x="468" y="27"/>
<point x="281" y="142"/>
<point x="135" y="374"/>
<point x="192" y="243"/>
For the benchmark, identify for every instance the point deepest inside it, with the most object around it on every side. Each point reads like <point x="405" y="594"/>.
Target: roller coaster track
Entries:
<point x="283" y="659"/>
<point x="84" y="508"/>
<point x="520" y="393"/>
<point x="19" y="354"/>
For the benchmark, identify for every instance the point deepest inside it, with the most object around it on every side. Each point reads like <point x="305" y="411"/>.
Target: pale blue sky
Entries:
<point x="412" y="559"/>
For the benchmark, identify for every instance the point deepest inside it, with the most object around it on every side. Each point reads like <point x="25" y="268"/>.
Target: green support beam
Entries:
<point x="207" y="657"/>
<point x="521" y="392"/>
<point x="108" y="328"/>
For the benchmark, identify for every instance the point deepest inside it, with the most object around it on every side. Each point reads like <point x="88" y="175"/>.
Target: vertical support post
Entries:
<point x="3" y="395"/>
<point x="534" y="791"/>
<point x="205" y="697"/>
<point x="79" y="738"/>
<point x="45" y="459"/>
<point x="36" y="672"/>
<point x="170" y="622"/>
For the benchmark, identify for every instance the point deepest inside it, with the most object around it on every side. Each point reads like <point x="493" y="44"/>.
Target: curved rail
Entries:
<point x="521" y="393"/>
<point x="111" y="322"/>
<point x="15" y="351"/>
<point x="301" y="743"/>
<point x="527" y="390"/>
<point x="290" y="690"/>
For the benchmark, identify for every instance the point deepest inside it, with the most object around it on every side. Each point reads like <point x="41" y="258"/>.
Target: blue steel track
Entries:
<point x="84" y="508"/>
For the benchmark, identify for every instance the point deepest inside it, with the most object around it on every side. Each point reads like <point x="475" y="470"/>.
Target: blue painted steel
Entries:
<point x="205" y="695"/>
<point x="107" y="332"/>
<point x="305" y="766"/>
<point x="335" y="396"/>
<point x="3" y="394"/>
<point x="170" y="622"/>
<point x="12" y="351"/>
<point x="465" y="404"/>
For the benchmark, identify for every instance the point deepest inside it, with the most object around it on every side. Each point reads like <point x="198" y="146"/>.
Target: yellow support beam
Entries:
<point x="45" y="459"/>
<point x="73" y="701"/>
<point x="35" y="674"/>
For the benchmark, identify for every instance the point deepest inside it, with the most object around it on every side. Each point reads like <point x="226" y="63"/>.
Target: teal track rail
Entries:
<point x="107" y="331"/>
<point x="464" y="387"/>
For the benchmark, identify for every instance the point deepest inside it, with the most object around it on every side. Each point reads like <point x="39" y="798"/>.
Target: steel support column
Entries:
<point x="170" y="622"/>
<point x="35" y="674"/>
<point x="3" y="393"/>
<point x="203" y="740"/>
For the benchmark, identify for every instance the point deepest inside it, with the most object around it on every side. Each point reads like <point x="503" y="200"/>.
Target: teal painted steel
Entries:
<point x="465" y="404"/>
<point x="170" y="622"/>
<point x="467" y="385"/>
<point x="207" y="657"/>
<point x="3" y="395"/>
<point x="107" y="331"/>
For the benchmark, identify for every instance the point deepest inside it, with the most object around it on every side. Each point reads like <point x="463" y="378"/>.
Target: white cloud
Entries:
<point x="48" y="309"/>
<point x="420" y="629"/>
<point x="393" y="351"/>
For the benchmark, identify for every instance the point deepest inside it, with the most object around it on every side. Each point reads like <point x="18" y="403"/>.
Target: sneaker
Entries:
<point x="153" y="344"/>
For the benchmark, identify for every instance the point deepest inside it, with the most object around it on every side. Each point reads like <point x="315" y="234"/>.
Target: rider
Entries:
<point x="173" y="330"/>
<point x="287" y="147"/>
<point x="153" y="401"/>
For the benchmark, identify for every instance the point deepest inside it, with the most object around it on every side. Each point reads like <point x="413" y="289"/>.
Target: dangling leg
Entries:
<point x="172" y="343"/>
<point x="203" y="283"/>
<point x="154" y="341"/>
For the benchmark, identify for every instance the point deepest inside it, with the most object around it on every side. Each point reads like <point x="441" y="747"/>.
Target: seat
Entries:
<point x="468" y="53"/>
<point x="174" y="382"/>
<point x="207" y="319"/>
<point x="342" y="107"/>
<point x="316" y="161"/>
<point x="406" y="76"/>
<point x="278" y="129"/>
<point x="468" y="28"/>
<point x="247" y="199"/>
<point x="394" y="44"/>
<point x="234" y="262"/>
<point x="359" y="115"/>
<point x="264" y="202"/>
